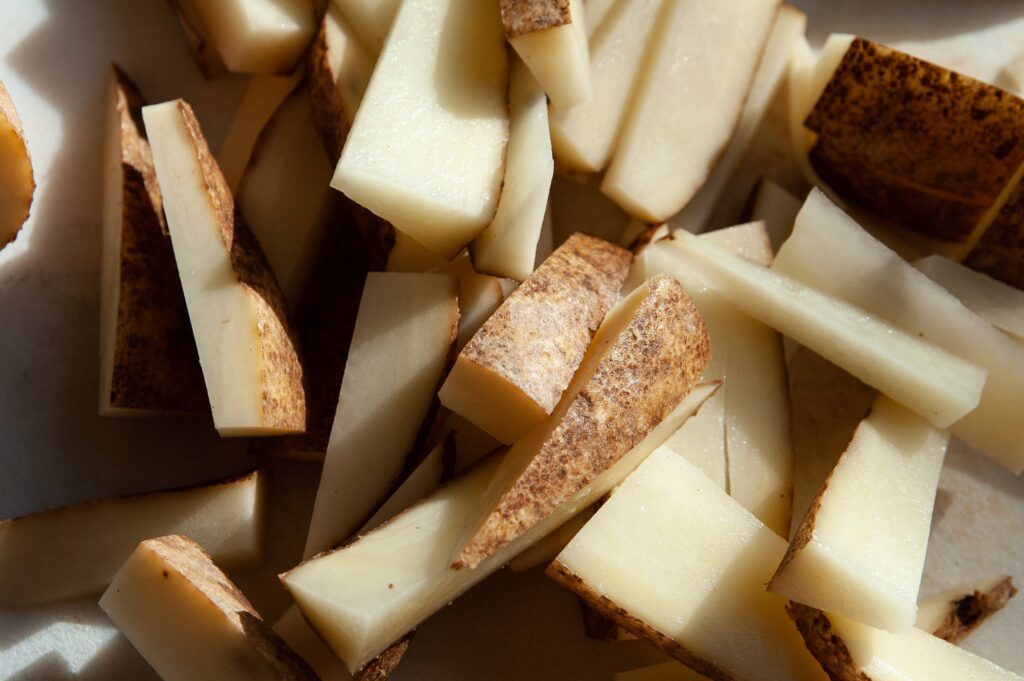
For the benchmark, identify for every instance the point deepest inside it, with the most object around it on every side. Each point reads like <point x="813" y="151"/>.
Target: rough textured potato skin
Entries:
<point x="924" y="146"/>
<point x="652" y="365"/>
<point x="325" y="101"/>
<point x="283" y="400"/>
<point x="827" y="648"/>
<point x="527" y="16"/>
<point x="1000" y="251"/>
<point x="538" y="336"/>
<point x="189" y="561"/>
<point x="607" y="608"/>
<point x="382" y="666"/>
<point x="967" y="614"/>
<point x="155" y="364"/>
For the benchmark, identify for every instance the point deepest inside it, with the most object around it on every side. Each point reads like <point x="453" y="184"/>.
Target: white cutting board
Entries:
<point x="54" y="450"/>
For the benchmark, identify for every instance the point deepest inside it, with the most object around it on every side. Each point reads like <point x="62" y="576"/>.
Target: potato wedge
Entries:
<point x="17" y="183"/>
<point x="647" y="355"/>
<point x="170" y="594"/>
<point x="148" y="357"/>
<point x="995" y="302"/>
<point x="547" y="322"/>
<point x="246" y="346"/>
<point x="953" y="615"/>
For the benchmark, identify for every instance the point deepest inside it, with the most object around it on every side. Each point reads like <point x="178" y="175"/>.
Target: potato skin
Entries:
<point x="827" y="648"/>
<point x="528" y="16"/>
<point x="927" y="148"/>
<point x="968" y="613"/>
<point x="1000" y="251"/>
<point x="18" y="186"/>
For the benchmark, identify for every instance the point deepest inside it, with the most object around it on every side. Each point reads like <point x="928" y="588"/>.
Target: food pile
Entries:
<point x="547" y="284"/>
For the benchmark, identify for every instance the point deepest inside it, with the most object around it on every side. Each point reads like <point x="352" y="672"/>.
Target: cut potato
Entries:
<point x="826" y="406"/>
<point x="999" y="252"/>
<point x="550" y="36"/>
<point x="409" y="255"/>
<point x="204" y="52"/>
<point x="831" y="253"/>
<point x="260" y="102"/>
<point x="584" y="136"/>
<point x="1011" y="76"/>
<point x="790" y="24"/>
<point x="932" y="150"/>
<point x="437" y="175"/>
<point x="577" y="205"/>
<point x="548" y="548"/>
<point x="647" y="355"/>
<point x="259" y="37"/>
<point x="547" y="323"/>
<point x="685" y="110"/>
<point x="285" y="197"/>
<point x="953" y="615"/>
<point x="927" y="379"/>
<point x="246" y="348"/>
<point x="701" y="440"/>
<point x="508" y="247"/>
<point x="17" y="182"/>
<point x="372" y="19"/>
<point x="479" y="296"/>
<point x="859" y="551"/>
<point x="400" y="349"/>
<point x="296" y="632"/>
<point x="169" y="595"/>
<point x="362" y="598"/>
<point x="596" y="11"/>
<point x="148" y="360"/>
<point x="850" y="651"/>
<point x="995" y="302"/>
<point x="339" y="69"/>
<point x="675" y="560"/>
<point x="76" y="550"/>
<point x="777" y="208"/>
<point x="423" y="480"/>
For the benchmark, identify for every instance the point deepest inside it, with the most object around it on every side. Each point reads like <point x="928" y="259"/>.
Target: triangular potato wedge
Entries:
<point x="648" y="354"/>
<point x="550" y="36"/>
<point x="17" y="183"/>
<point x="148" y="358"/>
<point x="248" y="352"/>
<point x="548" y="323"/>
<point x="169" y="596"/>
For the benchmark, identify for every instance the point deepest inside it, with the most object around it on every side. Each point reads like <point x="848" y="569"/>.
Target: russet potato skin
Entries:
<point x="927" y="148"/>
<point x="828" y="648"/>
<point x="18" y="182"/>
<point x="1000" y="251"/>
<point x="527" y="16"/>
<point x="967" y="614"/>
<point x="653" y="364"/>
<point x="155" y="363"/>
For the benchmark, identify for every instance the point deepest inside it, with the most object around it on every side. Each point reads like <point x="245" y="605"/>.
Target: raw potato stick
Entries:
<point x="190" y="621"/>
<point x="148" y="358"/>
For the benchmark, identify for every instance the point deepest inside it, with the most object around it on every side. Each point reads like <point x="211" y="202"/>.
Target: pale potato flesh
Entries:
<point x="788" y="27"/>
<point x="508" y="247"/>
<point x="423" y="480"/>
<point x="851" y="651"/>
<point x="17" y="183"/>
<point x="372" y="19"/>
<point x="248" y="354"/>
<point x="680" y="563"/>
<point x="936" y="384"/>
<point x="400" y="348"/>
<point x="190" y="622"/>
<point x="701" y="440"/>
<point x="76" y="550"/>
<point x="285" y="195"/>
<point x="548" y="548"/>
<point x="261" y="100"/>
<point x="952" y="615"/>
<point x="647" y="355"/>
<point x="992" y="300"/>
<point x="260" y="37"/>
<point x="557" y="56"/>
<point x="688" y="102"/>
<point x="479" y="296"/>
<point x="398" y="575"/>
<point x="777" y="208"/>
<point x="860" y="550"/>
<point x="830" y="252"/>
<point x="584" y="136"/>
<point x="595" y="13"/>
<point x="513" y="372"/>
<point x="436" y="176"/>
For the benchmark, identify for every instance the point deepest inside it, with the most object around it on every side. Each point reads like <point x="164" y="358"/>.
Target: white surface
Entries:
<point x="54" y="449"/>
